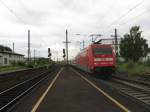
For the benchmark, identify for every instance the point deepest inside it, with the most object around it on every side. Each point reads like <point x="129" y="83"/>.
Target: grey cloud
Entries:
<point x="49" y="19"/>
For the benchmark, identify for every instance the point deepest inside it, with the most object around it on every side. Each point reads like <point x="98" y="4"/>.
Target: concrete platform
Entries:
<point x="70" y="93"/>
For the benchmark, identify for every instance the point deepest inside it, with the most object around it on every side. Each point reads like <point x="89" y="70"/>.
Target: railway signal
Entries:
<point x="66" y="42"/>
<point x="64" y="54"/>
<point x="49" y="52"/>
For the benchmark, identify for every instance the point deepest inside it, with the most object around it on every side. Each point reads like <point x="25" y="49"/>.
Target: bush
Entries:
<point x="130" y="64"/>
<point x="30" y="64"/>
<point x="20" y="63"/>
<point x="120" y="60"/>
<point x="13" y="63"/>
<point x="147" y="62"/>
<point x="133" y="69"/>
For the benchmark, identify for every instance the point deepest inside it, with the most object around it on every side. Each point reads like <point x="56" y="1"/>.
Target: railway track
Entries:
<point x="138" y="91"/>
<point x="11" y="95"/>
<point x="9" y="79"/>
<point x="135" y="90"/>
<point x="18" y="73"/>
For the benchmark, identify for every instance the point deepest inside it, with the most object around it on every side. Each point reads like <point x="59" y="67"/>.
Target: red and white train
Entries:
<point x="97" y="58"/>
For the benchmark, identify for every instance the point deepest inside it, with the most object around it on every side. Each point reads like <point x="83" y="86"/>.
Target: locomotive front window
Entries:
<point x="102" y="50"/>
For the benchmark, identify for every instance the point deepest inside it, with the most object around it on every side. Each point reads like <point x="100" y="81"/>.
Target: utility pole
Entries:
<point x="116" y="41"/>
<point x="29" y="53"/>
<point x="67" y="46"/>
<point x="83" y="44"/>
<point x="13" y="47"/>
<point x="34" y="55"/>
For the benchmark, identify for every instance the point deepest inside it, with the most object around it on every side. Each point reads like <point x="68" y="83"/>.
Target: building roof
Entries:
<point x="5" y="48"/>
<point x="6" y="52"/>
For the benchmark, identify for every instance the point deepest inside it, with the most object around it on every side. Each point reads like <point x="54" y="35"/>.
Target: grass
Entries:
<point x="41" y="62"/>
<point x="133" y="69"/>
<point x="4" y="69"/>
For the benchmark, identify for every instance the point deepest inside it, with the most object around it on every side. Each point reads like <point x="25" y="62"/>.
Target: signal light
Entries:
<point x="49" y="52"/>
<point x="64" y="54"/>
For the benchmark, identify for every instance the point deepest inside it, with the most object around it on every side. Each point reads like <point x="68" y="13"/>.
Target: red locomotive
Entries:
<point x="97" y="58"/>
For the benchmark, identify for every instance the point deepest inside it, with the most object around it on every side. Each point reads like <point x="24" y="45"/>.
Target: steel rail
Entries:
<point x="11" y="95"/>
<point x="136" y="90"/>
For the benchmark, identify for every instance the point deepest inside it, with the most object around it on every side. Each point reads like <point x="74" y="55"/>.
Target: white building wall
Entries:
<point x="6" y="59"/>
<point x="16" y="58"/>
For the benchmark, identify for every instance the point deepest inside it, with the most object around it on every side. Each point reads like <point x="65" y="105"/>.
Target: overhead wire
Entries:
<point x="135" y="17"/>
<point x="18" y="18"/>
<point x="12" y="12"/>
<point x="125" y="14"/>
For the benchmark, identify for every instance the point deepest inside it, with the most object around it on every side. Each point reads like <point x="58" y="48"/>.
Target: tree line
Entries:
<point x="133" y="46"/>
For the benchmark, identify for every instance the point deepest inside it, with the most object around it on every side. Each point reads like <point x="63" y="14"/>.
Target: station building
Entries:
<point x="7" y="56"/>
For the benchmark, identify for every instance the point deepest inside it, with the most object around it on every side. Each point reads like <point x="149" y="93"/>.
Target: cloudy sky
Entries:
<point x="48" y="20"/>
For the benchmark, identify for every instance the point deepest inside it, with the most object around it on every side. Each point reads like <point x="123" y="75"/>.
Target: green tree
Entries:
<point x="133" y="46"/>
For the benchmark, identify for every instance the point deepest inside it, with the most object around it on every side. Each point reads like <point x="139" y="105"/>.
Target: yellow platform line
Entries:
<point x="104" y="93"/>
<point x="45" y="93"/>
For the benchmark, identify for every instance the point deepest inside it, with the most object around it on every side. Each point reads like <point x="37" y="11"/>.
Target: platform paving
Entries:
<point x="70" y="93"/>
